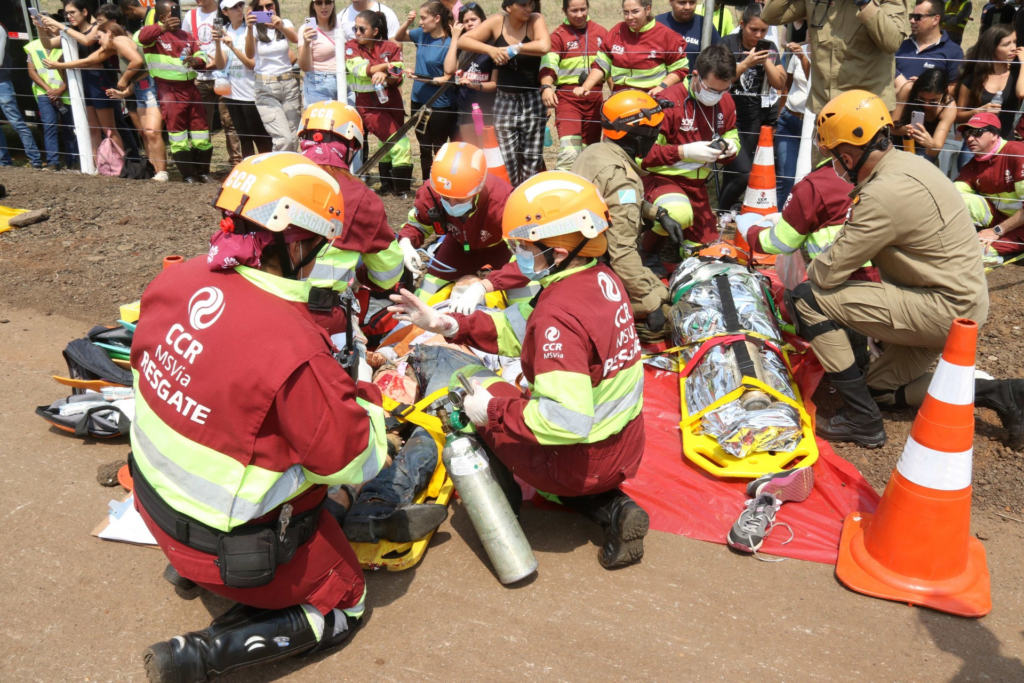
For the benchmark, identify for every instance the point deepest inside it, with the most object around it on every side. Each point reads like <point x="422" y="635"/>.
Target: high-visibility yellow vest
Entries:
<point x="37" y="53"/>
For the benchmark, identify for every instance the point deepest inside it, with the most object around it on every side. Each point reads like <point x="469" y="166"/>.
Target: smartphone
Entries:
<point x="264" y="17"/>
<point x="176" y="11"/>
<point x="917" y="118"/>
<point x="311" y="23"/>
<point x="719" y="143"/>
<point x="34" y="13"/>
<point x="763" y="45"/>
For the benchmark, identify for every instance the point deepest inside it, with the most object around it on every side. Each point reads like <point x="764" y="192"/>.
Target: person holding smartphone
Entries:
<point x="759" y="74"/>
<point x="926" y="112"/>
<point x="201" y="22"/>
<point x="318" y="53"/>
<point x="173" y="56"/>
<point x="229" y="56"/>
<point x="278" y="97"/>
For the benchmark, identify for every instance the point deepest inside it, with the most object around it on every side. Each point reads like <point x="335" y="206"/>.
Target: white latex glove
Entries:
<point x="411" y="257"/>
<point x="469" y="299"/>
<point x="747" y="221"/>
<point x="700" y="151"/>
<point x="475" y="404"/>
<point x="409" y="308"/>
<point x="732" y="149"/>
<point x="364" y="372"/>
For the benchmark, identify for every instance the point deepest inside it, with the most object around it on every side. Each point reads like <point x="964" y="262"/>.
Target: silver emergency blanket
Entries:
<point x="698" y="315"/>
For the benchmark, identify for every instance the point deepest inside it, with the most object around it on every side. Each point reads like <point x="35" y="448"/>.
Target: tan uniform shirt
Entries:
<point x="909" y="221"/>
<point x="617" y="178"/>
<point x="855" y="47"/>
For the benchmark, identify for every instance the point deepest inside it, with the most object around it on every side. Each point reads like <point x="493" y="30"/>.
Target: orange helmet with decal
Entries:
<point x="280" y="190"/>
<point x="557" y="208"/>
<point x="333" y="117"/>
<point x="458" y="171"/>
<point x="630" y="110"/>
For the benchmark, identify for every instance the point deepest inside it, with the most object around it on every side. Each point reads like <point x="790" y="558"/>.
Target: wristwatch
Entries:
<point x="998" y="230"/>
<point x="547" y="85"/>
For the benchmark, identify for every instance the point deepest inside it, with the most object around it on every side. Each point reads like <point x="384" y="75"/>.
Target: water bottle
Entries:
<point x="382" y="94"/>
<point x="184" y="54"/>
<point x="513" y="50"/>
<point x="998" y="99"/>
<point x="489" y="511"/>
<point x="221" y="84"/>
<point x="547" y="137"/>
<point x="478" y="119"/>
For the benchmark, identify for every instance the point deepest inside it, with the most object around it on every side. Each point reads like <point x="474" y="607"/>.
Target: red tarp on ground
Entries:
<point x="684" y="499"/>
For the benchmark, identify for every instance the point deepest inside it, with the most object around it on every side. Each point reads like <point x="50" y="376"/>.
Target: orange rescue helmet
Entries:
<point x="283" y="190"/>
<point x="854" y="117"/>
<point x="458" y="171"/>
<point x="560" y="209"/>
<point x="333" y="117"/>
<point x="629" y="110"/>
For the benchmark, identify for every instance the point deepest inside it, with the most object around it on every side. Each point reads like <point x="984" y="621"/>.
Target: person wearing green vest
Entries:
<point x="51" y="93"/>
<point x="136" y="13"/>
<point x="724" y="23"/>
<point x="955" y="17"/>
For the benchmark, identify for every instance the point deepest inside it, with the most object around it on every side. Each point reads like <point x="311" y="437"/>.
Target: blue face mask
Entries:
<point x="457" y="209"/>
<point x="525" y="260"/>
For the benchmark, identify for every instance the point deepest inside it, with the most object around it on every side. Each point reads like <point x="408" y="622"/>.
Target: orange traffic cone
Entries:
<point x="495" y="162"/>
<point x="760" y="195"/>
<point x="917" y="547"/>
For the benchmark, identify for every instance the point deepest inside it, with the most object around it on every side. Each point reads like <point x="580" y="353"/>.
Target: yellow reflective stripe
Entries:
<point x="333" y="269"/>
<point x="201" y="483"/>
<point x="639" y="78"/>
<point x="510" y="326"/>
<point x="618" y="401"/>
<point x="413" y="220"/>
<point x="369" y="462"/>
<point x="283" y="288"/>
<point x="781" y="238"/>
<point x="385" y="267"/>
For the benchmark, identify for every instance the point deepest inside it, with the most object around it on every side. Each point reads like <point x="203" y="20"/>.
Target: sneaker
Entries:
<point x="754" y="524"/>
<point x="789" y="486"/>
<point x="53" y="167"/>
<point x="160" y="176"/>
<point x="189" y="180"/>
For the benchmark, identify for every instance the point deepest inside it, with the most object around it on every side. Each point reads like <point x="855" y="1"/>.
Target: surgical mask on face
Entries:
<point x="457" y="209"/>
<point x="706" y="97"/>
<point x="525" y="260"/>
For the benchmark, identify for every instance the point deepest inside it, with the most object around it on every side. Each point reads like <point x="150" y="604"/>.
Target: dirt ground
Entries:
<point x="73" y="608"/>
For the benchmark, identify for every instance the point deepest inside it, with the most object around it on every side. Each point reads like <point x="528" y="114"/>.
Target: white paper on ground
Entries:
<point x="125" y="524"/>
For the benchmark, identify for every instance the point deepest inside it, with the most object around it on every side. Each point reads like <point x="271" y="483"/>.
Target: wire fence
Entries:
<point x="367" y="104"/>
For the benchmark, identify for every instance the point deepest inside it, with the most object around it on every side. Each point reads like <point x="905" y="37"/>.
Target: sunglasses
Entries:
<point x="321" y="3"/>
<point x="266" y="8"/>
<point x="974" y="132"/>
<point x="919" y="17"/>
<point x="361" y="29"/>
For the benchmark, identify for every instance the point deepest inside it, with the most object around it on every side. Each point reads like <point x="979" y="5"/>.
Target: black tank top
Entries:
<point x="521" y="73"/>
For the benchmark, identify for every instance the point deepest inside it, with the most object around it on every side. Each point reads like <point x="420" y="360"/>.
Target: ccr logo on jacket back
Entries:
<point x="205" y="307"/>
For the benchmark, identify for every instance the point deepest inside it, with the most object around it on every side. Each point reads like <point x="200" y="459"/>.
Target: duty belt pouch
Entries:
<point x="322" y="299"/>
<point x="247" y="558"/>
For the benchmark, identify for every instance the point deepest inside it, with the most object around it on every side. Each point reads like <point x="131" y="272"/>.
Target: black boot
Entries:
<point x="403" y="181"/>
<point x="858" y="420"/>
<point x="242" y="637"/>
<point x="624" y="522"/>
<point x="202" y="159"/>
<point x="387" y="181"/>
<point x="183" y="160"/>
<point x="371" y="521"/>
<point x="1006" y="398"/>
<point x="177" y="580"/>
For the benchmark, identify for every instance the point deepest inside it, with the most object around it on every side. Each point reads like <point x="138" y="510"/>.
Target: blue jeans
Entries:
<point x="787" y="144"/>
<point x="54" y="121"/>
<point x="9" y="105"/>
<point x="319" y="86"/>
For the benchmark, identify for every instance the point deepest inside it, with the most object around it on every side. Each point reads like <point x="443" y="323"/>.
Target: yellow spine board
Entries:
<point x="704" y="451"/>
<point x="396" y="557"/>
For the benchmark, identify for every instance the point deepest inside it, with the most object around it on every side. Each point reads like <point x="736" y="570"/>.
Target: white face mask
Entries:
<point x="706" y="97"/>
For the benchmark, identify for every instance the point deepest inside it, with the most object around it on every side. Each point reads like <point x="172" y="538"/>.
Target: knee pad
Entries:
<point x="678" y="207"/>
<point x="979" y="209"/>
<point x="804" y="292"/>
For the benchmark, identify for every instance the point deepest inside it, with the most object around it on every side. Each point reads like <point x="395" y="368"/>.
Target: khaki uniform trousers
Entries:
<point x="865" y="307"/>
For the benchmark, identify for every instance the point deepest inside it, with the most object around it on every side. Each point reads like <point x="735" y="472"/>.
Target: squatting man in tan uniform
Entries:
<point x="909" y="221"/>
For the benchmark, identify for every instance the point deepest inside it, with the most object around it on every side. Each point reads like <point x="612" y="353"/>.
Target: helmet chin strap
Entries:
<point x="879" y="143"/>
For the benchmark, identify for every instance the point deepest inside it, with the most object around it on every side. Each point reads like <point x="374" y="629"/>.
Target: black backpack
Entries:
<point x="137" y="168"/>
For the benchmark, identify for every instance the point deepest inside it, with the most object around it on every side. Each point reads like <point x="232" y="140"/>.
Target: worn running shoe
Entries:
<point x="754" y="524"/>
<point x="789" y="486"/>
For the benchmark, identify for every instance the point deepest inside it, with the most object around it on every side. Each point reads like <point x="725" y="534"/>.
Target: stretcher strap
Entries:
<point x="732" y="325"/>
<point x="414" y="414"/>
<point x="749" y="383"/>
